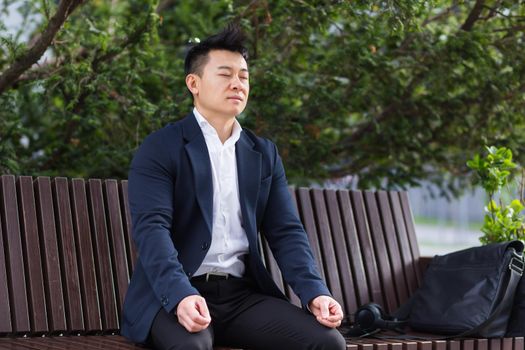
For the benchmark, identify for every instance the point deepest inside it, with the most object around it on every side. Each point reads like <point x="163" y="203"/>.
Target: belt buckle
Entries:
<point x="223" y="274"/>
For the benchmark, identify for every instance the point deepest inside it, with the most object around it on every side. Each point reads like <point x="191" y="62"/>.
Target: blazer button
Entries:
<point x="164" y="300"/>
<point x="204" y="245"/>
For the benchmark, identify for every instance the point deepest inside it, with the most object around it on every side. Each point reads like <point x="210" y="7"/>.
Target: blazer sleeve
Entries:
<point x="287" y="238"/>
<point x="151" y="183"/>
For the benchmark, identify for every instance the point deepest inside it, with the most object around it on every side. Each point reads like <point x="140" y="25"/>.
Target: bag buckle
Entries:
<point x="517" y="264"/>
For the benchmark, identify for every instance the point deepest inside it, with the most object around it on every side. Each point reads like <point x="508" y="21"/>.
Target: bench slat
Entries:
<point x="15" y="264"/>
<point x="65" y="306"/>
<point x="341" y="253"/>
<point x="51" y="260"/>
<point x="367" y="248"/>
<point x="404" y="245"/>
<point x="294" y="299"/>
<point x="103" y="265"/>
<point x="117" y="241"/>
<point x="271" y="265"/>
<point x="411" y="231"/>
<point x="381" y="252"/>
<point x="396" y="263"/>
<point x="130" y="247"/>
<point x="32" y="256"/>
<point x="327" y="245"/>
<point x="354" y="250"/>
<point x="5" y="305"/>
<point x="88" y="281"/>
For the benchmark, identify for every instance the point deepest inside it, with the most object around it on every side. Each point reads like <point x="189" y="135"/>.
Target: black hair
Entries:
<point x="231" y="39"/>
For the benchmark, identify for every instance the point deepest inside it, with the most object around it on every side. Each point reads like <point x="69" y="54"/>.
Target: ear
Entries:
<point x="192" y="83"/>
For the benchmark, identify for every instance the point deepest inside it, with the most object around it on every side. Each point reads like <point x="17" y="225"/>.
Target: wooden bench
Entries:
<point x="66" y="257"/>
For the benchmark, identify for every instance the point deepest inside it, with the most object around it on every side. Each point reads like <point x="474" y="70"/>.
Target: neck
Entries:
<point x="222" y="124"/>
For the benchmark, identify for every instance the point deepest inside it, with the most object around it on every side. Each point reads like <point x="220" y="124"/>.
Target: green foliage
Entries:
<point x="393" y="92"/>
<point x="502" y="222"/>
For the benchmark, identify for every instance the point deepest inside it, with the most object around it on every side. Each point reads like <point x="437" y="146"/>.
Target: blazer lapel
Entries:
<point x="200" y="163"/>
<point x="249" y="177"/>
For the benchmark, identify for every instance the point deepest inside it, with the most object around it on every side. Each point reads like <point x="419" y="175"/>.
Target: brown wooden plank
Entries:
<point x="271" y="265"/>
<point x="495" y="344"/>
<point x="67" y="343"/>
<point x="304" y="203"/>
<point x="294" y="299"/>
<point x="86" y="263"/>
<point x="341" y="253"/>
<point x="103" y="264"/>
<point x="327" y="245"/>
<point x="392" y="242"/>
<point x="454" y="345"/>
<point x="396" y="263"/>
<point x="16" y="274"/>
<point x="17" y="344"/>
<point x="467" y="344"/>
<point x="354" y="250"/>
<point x="32" y="256"/>
<point x="37" y="344"/>
<point x="5" y="305"/>
<point x="388" y="283"/>
<point x="51" y="264"/>
<point x="439" y="345"/>
<point x="367" y="249"/>
<point x="410" y="262"/>
<point x="124" y="207"/>
<point x="411" y="230"/>
<point x="507" y="344"/>
<point x="518" y="343"/>
<point x="117" y="241"/>
<point x="481" y="344"/>
<point x="57" y="194"/>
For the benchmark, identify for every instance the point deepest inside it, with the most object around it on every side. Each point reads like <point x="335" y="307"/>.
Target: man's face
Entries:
<point x="223" y="87"/>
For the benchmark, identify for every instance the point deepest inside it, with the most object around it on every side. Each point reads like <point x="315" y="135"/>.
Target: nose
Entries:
<point x="235" y="83"/>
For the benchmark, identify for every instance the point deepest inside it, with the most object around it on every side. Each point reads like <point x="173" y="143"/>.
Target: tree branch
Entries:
<point x="473" y="15"/>
<point x="31" y="56"/>
<point x="72" y="125"/>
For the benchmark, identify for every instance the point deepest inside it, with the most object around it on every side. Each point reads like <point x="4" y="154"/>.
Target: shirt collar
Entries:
<point x="207" y="128"/>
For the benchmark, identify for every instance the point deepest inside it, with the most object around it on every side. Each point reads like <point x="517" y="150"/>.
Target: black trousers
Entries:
<point x="244" y="318"/>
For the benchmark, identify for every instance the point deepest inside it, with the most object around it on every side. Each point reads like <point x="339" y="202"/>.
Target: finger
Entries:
<point x="196" y="317"/>
<point x="324" y="308"/>
<point x="327" y="323"/>
<point x="333" y="318"/>
<point x="190" y="325"/>
<point x="203" y="309"/>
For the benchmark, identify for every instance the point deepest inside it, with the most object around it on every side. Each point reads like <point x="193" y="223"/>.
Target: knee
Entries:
<point x="197" y="341"/>
<point x="330" y="340"/>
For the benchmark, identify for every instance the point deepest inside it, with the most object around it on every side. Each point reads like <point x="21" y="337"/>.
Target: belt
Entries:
<point x="212" y="276"/>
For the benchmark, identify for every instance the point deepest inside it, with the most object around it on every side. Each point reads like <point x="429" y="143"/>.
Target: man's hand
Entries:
<point x="192" y="313"/>
<point x="327" y="311"/>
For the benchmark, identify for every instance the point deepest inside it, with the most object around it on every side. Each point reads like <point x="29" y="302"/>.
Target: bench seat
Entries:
<point x="66" y="256"/>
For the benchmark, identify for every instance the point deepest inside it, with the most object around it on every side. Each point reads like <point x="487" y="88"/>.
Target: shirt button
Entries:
<point x="204" y="245"/>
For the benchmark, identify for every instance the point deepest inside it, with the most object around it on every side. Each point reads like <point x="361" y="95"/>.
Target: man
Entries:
<point x="199" y="191"/>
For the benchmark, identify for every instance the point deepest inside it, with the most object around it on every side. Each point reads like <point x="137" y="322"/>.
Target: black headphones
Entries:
<point x="370" y="319"/>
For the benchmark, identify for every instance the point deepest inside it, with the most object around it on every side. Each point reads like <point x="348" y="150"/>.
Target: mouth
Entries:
<point x="238" y="98"/>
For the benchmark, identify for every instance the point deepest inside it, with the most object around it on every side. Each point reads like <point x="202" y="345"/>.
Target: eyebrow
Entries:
<point x="230" y="68"/>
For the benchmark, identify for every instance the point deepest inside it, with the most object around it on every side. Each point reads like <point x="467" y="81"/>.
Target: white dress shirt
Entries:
<point x="228" y="238"/>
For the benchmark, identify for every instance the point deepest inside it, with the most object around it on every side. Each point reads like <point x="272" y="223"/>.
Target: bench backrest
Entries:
<point x="66" y="254"/>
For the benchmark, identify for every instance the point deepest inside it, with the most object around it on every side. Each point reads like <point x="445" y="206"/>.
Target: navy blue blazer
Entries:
<point x="170" y="197"/>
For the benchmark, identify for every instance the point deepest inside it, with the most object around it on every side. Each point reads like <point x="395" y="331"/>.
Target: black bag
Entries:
<point x="468" y="293"/>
